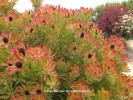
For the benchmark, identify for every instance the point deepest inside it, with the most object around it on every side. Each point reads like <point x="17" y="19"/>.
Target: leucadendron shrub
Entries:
<point x="52" y="53"/>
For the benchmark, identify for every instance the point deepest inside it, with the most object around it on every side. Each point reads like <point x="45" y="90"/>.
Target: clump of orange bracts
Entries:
<point x="54" y="48"/>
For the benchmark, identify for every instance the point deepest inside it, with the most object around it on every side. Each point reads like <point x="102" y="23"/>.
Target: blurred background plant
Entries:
<point x="97" y="13"/>
<point x="126" y="25"/>
<point x="128" y="4"/>
<point x="109" y="19"/>
<point x="117" y="25"/>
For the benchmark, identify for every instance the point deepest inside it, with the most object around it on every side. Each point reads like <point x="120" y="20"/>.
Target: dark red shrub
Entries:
<point x="108" y="19"/>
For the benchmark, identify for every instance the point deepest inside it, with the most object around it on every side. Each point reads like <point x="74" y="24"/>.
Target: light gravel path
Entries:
<point x="130" y="54"/>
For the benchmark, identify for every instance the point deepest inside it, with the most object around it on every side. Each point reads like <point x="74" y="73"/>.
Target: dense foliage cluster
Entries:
<point x="52" y="48"/>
